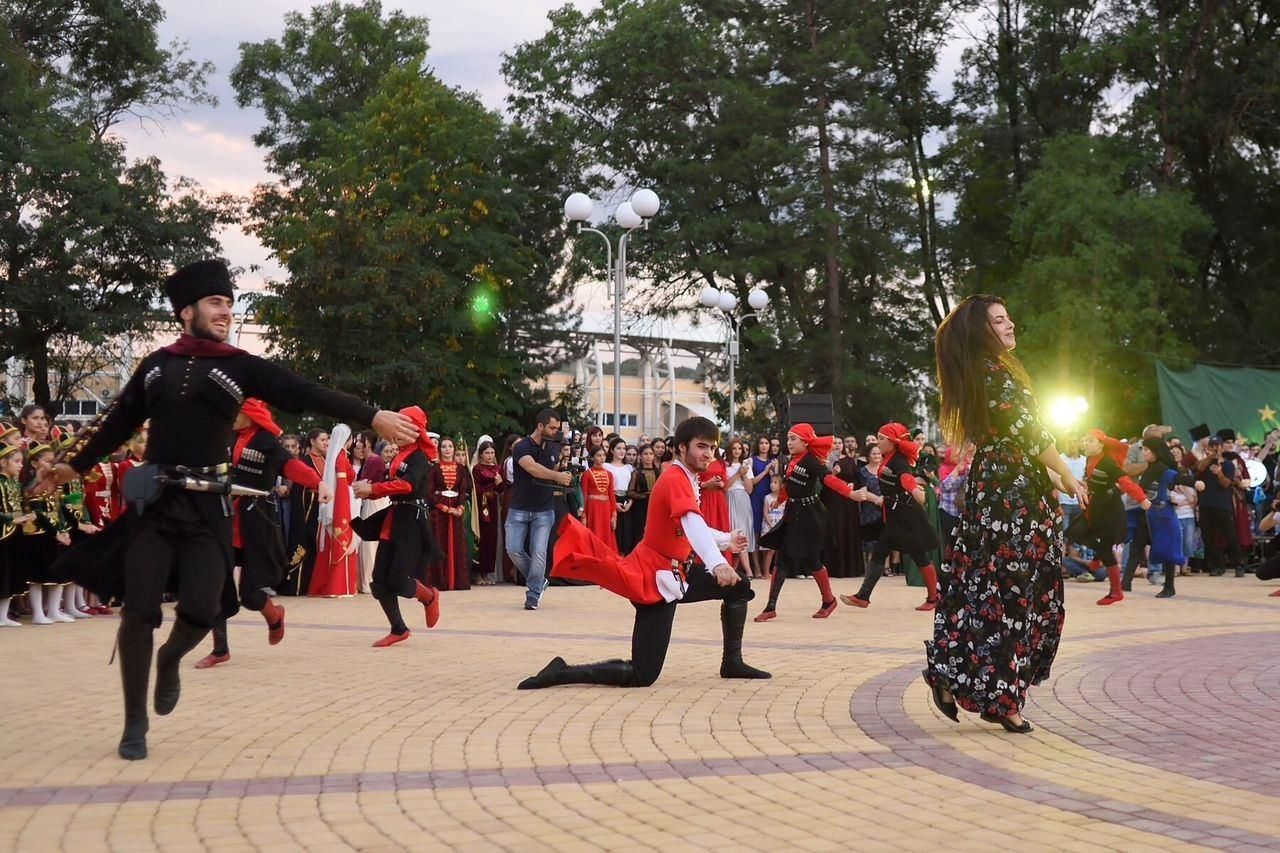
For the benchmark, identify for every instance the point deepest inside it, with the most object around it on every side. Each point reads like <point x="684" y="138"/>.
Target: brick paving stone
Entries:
<point x="1153" y="734"/>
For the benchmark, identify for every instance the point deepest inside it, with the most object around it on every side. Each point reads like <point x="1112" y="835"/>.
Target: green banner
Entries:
<point x="1245" y="399"/>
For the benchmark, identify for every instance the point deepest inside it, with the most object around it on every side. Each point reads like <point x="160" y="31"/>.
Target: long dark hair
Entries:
<point x="965" y="342"/>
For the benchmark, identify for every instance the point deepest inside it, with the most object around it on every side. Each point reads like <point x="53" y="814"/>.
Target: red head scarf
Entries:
<point x="817" y="445"/>
<point x="421" y="421"/>
<point x="901" y="438"/>
<point x="1113" y="447"/>
<point x="259" y="415"/>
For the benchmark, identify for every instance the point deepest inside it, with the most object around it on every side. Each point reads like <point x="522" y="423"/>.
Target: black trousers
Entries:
<point x="174" y="540"/>
<point x="391" y="583"/>
<point x="1215" y="523"/>
<point x="651" y="634"/>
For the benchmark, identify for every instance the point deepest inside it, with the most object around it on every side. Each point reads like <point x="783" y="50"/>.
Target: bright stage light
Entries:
<point x="1066" y="411"/>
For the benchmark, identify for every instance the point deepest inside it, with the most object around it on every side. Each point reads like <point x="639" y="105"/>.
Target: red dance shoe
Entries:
<point x="854" y="601"/>
<point x="274" y="614"/>
<point x="1111" y="598"/>
<point x="429" y="596"/>
<point x="391" y="640"/>
<point x="211" y="660"/>
<point x="827" y="608"/>
<point x="766" y="615"/>
<point x="1275" y="594"/>
<point x="929" y="604"/>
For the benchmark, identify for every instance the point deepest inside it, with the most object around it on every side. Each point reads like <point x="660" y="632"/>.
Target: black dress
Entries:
<point x="12" y="581"/>
<point x="642" y="480"/>
<point x="844" y="557"/>
<point x="906" y="526"/>
<point x="1103" y="524"/>
<point x="799" y="538"/>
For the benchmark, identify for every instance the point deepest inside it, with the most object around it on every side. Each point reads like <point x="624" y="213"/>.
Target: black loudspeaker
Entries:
<point x="817" y="410"/>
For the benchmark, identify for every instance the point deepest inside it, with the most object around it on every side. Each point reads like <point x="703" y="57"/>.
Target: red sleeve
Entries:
<point x="1132" y="489"/>
<point x="909" y="482"/>
<point x="835" y="484"/>
<point x="301" y="473"/>
<point x="390" y="487"/>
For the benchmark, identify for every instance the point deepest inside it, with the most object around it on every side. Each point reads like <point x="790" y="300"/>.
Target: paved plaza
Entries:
<point x="1157" y="730"/>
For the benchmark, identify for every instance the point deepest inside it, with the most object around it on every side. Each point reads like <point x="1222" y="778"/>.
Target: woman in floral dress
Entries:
<point x="997" y="626"/>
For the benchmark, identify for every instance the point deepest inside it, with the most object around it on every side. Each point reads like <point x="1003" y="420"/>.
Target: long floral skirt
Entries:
<point x="999" y="621"/>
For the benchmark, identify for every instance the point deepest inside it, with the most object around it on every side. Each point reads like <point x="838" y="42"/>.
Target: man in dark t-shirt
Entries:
<point x="532" y="508"/>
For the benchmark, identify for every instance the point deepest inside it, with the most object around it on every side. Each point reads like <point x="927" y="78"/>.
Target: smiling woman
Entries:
<point x="999" y="619"/>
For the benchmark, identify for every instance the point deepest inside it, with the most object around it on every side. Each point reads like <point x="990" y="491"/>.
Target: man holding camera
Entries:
<point x="536" y="459"/>
<point x="1217" y="512"/>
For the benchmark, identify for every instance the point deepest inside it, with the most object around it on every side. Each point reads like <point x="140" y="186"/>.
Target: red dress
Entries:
<point x="486" y="516"/>
<point x="454" y="570"/>
<point x="337" y="567"/>
<point x="99" y="493"/>
<point x="122" y="467"/>
<point x="600" y="504"/>
<point x="715" y="503"/>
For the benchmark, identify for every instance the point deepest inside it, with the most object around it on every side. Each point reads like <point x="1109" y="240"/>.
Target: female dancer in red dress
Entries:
<point x="336" y="573"/>
<point x="449" y="485"/>
<point x="600" y="508"/>
<point x="486" y="512"/>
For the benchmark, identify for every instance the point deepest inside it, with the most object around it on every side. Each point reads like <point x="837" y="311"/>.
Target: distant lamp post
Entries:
<point x="727" y="303"/>
<point x="629" y="216"/>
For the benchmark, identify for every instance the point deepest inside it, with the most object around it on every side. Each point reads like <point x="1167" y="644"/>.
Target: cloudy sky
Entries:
<point x="213" y="145"/>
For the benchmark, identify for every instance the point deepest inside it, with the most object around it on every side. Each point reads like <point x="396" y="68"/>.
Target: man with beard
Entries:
<point x="659" y="573"/>
<point x="191" y="391"/>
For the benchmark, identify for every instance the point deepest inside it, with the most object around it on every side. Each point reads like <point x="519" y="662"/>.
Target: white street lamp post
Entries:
<point x="712" y="297"/>
<point x="629" y="215"/>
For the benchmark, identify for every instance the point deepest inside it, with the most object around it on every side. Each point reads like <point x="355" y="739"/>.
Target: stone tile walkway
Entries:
<point x="1157" y="731"/>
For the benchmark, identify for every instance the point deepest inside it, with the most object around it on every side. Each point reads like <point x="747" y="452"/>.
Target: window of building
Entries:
<point x="627" y="420"/>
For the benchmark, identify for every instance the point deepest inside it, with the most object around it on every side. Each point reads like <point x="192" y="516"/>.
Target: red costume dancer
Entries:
<point x="600" y="504"/>
<point x="336" y="573"/>
<point x="799" y="538"/>
<point x="257" y="461"/>
<point x="658" y="574"/>
<point x="403" y="532"/>
<point x="906" y="527"/>
<point x="1103" y="525"/>
<point x="715" y="505"/>
<point x="135" y="450"/>
<point x="449" y="486"/>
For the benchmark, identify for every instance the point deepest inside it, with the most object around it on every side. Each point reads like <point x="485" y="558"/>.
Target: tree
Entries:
<point x="1107" y="270"/>
<point x="419" y="262"/>
<point x="752" y="121"/>
<point x="85" y="237"/>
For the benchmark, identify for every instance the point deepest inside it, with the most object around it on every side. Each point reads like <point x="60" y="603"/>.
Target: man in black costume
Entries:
<point x="191" y="391"/>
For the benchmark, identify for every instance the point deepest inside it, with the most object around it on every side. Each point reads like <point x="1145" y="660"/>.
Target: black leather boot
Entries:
<point x="135" y="641"/>
<point x="1168" y="591"/>
<point x="616" y="673"/>
<point x="183" y="638"/>
<point x="733" y="618"/>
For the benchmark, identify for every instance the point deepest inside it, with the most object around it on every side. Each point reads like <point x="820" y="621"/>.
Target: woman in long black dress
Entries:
<point x="799" y="538"/>
<point x="999" y="620"/>
<point x="646" y="474"/>
<point x="844" y="542"/>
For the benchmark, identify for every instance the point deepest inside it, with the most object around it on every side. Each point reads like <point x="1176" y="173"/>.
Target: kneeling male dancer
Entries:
<point x="658" y="574"/>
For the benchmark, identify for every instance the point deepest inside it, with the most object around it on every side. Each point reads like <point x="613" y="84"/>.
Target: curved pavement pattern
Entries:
<point x="1156" y="731"/>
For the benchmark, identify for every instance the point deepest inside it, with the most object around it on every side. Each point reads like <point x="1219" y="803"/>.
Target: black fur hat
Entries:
<point x="196" y="281"/>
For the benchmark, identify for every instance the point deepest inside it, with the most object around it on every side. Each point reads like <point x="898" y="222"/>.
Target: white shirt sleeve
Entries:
<point x="707" y="543"/>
